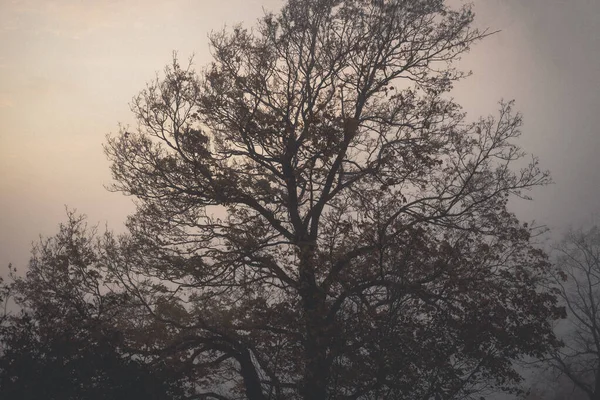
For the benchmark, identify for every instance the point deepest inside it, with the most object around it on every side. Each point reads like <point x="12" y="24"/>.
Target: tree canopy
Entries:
<point x="63" y="341"/>
<point x="317" y="219"/>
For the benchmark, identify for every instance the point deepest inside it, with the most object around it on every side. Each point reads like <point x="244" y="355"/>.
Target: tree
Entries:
<point x="550" y="384"/>
<point x="62" y="342"/>
<point x="578" y="277"/>
<point x="316" y="219"/>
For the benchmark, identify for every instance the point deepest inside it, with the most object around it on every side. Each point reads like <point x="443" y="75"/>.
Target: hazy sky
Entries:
<point x="68" y="69"/>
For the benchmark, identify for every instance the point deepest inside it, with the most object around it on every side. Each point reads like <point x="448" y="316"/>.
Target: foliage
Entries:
<point x="316" y="219"/>
<point x="62" y="342"/>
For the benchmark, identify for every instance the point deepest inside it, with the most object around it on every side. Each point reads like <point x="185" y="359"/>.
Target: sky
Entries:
<point x="69" y="68"/>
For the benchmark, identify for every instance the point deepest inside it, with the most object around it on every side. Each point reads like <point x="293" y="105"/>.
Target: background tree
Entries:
<point x="316" y="219"/>
<point x="546" y="383"/>
<point x="62" y="341"/>
<point x="578" y="276"/>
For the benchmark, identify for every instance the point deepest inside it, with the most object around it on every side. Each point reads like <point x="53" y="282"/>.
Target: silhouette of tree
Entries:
<point x="62" y="342"/>
<point x="316" y="218"/>
<point x="549" y="384"/>
<point x="578" y="277"/>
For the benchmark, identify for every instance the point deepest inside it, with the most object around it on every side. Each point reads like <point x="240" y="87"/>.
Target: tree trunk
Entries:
<point x="596" y="393"/>
<point x="317" y="341"/>
<point x="316" y="374"/>
<point x="250" y="376"/>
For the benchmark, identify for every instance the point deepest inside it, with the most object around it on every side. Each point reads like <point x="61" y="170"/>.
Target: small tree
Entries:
<point x="62" y="339"/>
<point x="317" y="220"/>
<point x="578" y="276"/>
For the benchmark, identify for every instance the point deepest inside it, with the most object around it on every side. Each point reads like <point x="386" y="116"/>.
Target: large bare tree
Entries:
<point x="316" y="218"/>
